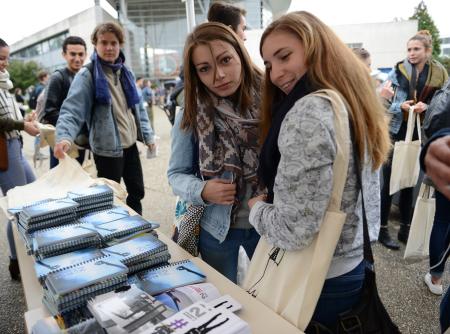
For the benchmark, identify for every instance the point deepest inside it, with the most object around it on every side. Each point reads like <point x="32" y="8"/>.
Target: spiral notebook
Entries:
<point x="140" y="253"/>
<point x="105" y="216"/>
<point x="164" y="278"/>
<point x="122" y="227"/>
<point x="94" y="198"/>
<point x="64" y="239"/>
<point x="48" y="209"/>
<point x="46" y="266"/>
<point x="70" y="288"/>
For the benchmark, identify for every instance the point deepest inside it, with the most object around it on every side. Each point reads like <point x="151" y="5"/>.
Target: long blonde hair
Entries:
<point x="194" y="89"/>
<point x="333" y="65"/>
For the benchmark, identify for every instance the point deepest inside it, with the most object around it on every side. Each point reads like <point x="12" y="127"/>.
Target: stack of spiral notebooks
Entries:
<point x="123" y="227"/>
<point x="91" y="199"/>
<point x="70" y="288"/>
<point x="47" y="213"/>
<point x="63" y="239"/>
<point x="140" y="253"/>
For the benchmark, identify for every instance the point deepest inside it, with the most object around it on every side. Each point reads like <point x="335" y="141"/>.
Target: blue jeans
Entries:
<point x="339" y="294"/>
<point x="19" y="173"/>
<point x="440" y="236"/>
<point x="224" y="256"/>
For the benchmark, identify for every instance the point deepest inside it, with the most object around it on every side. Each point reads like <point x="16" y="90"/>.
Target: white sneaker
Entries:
<point x="434" y="288"/>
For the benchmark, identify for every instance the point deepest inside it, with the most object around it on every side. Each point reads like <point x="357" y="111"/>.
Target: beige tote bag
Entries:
<point x="290" y="282"/>
<point x="421" y="224"/>
<point x="405" y="161"/>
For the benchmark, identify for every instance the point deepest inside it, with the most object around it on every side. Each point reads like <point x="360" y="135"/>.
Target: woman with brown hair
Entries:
<point x="302" y="55"/>
<point x="215" y="142"/>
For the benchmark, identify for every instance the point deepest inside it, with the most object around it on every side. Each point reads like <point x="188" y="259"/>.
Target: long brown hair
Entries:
<point x="195" y="90"/>
<point x="332" y="65"/>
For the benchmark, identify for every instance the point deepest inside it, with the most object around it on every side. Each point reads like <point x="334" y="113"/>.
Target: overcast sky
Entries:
<point x="21" y="18"/>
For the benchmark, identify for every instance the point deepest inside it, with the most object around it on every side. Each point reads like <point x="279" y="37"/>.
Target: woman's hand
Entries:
<point x="30" y="128"/>
<point x="406" y="105"/>
<point x="61" y="148"/>
<point x="260" y="198"/>
<point x="437" y="162"/>
<point x="219" y="191"/>
<point x="420" y="107"/>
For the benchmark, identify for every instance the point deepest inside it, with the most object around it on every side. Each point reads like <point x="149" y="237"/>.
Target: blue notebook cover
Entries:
<point x="60" y="234"/>
<point x="173" y="275"/>
<point x="139" y="247"/>
<point x="94" y="272"/>
<point x="106" y="216"/>
<point x="124" y="226"/>
<point x="57" y="207"/>
<point x="95" y="192"/>
<point x="45" y="266"/>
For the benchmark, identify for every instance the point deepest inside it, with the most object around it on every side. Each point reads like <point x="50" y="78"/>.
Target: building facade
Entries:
<point x="45" y="46"/>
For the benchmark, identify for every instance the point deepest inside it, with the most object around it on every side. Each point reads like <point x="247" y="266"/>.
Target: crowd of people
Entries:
<point x="255" y="149"/>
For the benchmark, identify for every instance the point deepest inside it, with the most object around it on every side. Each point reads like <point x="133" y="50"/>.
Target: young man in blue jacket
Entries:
<point x="107" y="101"/>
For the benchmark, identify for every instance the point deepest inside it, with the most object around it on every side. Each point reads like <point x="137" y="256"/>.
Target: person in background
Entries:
<point x="215" y="147"/>
<point x="414" y="80"/>
<point x="20" y="100"/>
<point x="107" y="101"/>
<point x="386" y="93"/>
<point x="74" y="53"/>
<point x="435" y="161"/>
<point x="148" y="97"/>
<point x="303" y="55"/>
<point x="19" y="172"/>
<point x="230" y="15"/>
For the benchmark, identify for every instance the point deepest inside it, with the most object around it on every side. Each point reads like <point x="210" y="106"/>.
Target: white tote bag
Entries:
<point x="290" y="282"/>
<point x="418" y="243"/>
<point x="405" y="161"/>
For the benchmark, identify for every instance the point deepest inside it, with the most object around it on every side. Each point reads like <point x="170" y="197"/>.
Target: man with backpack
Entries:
<point x="42" y="78"/>
<point x="74" y="52"/>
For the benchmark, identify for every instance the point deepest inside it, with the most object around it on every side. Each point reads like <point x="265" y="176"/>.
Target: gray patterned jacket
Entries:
<point x="303" y="185"/>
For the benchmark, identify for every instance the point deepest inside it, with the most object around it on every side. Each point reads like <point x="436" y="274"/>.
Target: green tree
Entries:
<point x="23" y="74"/>
<point x="446" y="62"/>
<point x="426" y="23"/>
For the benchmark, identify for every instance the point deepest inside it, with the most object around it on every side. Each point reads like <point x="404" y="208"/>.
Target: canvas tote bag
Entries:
<point x="405" y="161"/>
<point x="421" y="224"/>
<point x="290" y="282"/>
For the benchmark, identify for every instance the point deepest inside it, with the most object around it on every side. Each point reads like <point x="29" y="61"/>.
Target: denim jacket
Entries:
<point x="395" y="110"/>
<point x="181" y="174"/>
<point x="79" y="107"/>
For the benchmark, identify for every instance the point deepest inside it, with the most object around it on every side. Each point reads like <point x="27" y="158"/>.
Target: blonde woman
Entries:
<point x="302" y="55"/>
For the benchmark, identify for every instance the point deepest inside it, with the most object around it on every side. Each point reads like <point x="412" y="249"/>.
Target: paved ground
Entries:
<point x="401" y="285"/>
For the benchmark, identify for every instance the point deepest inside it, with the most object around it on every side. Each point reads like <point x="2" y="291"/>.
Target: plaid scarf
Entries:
<point x="8" y="105"/>
<point x="228" y="141"/>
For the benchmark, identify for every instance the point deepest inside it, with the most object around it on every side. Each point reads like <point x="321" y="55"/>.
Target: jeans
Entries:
<point x="440" y="236"/>
<point x="54" y="162"/>
<point x="339" y="294"/>
<point x="19" y="173"/>
<point x="406" y="195"/>
<point x="127" y="167"/>
<point x="224" y="256"/>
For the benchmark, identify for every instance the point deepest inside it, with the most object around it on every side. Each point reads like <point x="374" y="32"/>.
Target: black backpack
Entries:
<point x="437" y="115"/>
<point x="34" y="96"/>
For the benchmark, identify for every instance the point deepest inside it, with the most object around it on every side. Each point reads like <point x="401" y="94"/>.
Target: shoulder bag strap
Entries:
<point x="368" y="255"/>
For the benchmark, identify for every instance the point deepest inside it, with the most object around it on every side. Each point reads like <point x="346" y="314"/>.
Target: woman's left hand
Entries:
<point x="260" y="198"/>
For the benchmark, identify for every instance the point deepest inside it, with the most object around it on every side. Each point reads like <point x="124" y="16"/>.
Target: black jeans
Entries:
<point x="406" y="195"/>
<point x="127" y="167"/>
